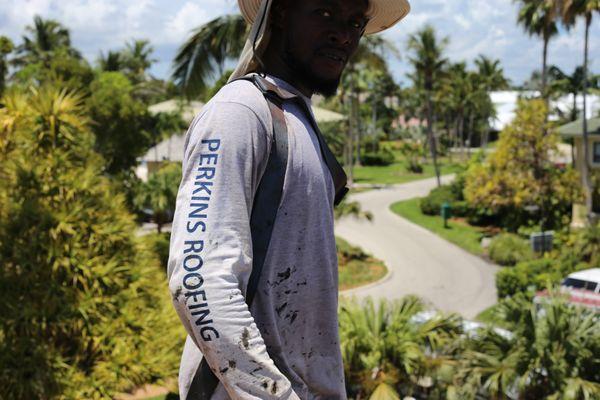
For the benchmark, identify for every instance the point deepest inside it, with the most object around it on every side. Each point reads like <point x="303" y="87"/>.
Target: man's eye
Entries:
<point x="325" y="13"/>
<point x="358" y="25"/>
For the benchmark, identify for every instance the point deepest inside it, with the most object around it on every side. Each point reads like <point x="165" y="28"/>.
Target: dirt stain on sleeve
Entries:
<point x="281" y="308"/>
<point x="245" y="337"/>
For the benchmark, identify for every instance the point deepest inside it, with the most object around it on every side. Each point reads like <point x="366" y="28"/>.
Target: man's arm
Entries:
<point x="211" y="250"/>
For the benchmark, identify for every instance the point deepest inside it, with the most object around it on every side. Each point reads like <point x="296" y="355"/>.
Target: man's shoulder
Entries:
<point x="243" y="94"/>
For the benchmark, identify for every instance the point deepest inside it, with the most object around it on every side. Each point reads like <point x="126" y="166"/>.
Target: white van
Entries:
<point x="587" y="280"/>
<point x="581" y="288"/>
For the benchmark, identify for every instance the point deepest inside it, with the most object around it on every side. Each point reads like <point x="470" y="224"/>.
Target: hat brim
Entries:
<point x="383" y="14"/>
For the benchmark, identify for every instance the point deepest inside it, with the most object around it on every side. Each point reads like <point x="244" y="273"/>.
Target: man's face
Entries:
<point x="320" y="36"/>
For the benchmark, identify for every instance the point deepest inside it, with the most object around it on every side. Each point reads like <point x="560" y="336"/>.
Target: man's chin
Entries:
<point x="326" y="86"/>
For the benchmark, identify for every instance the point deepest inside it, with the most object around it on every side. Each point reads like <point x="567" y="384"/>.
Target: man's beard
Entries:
<point x="305" y="74"/>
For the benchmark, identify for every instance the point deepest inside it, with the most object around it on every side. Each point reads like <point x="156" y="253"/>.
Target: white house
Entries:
<point x="505" y="103"/>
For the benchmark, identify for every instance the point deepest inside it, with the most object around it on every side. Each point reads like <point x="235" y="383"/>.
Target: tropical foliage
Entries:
<point x="159" y="194"/>
<point x="428" y="63"/>
<point x="519" y="180"/>
<point x="80" y="292"/>
<point x="545" y="351"/>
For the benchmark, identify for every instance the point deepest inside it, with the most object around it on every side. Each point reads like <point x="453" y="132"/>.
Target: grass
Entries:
<point x="397" y="172"/>
<point x="459" y="232"/>
<point x="356" y="268"/>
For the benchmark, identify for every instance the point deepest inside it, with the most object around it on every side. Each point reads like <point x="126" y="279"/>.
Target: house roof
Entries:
<point x="190" y="109"/>
<point x="187" y="109"/>
<point x="575" y="129"/>
<point x="171" y="149"/>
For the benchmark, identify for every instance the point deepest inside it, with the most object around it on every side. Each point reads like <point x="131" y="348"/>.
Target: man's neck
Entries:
<point x="278" y="68"/>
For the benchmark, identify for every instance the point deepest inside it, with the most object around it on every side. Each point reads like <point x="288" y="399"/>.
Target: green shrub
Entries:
<point x="510" y="281"/>
<point x="382" y="158"/>
<point x="460" y="209"/>
<point x="432" y="204"/>
<point x="413" y="152"/>
<point x="347" y="252"/>
<point x="159" y="243"/>
<point x="457" y="187"/>
<point x="85" y="313"/>
<point x="509" y="249"/>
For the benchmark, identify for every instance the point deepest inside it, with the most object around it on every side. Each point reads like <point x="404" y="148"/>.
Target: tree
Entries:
<point x="113" y="61"/>
<point x="428" y="62"/>
<point x="137" y="58"/>
<point x="571" y="11"/>
<point x="384" y="347"/>
<point x="6" y="47"/>
<point x="548" y="354"/>
<point x="204" y="54"/>
<point x="46" y="55"/>
<point x="491" y="73"/>
<point x="520" y="174"/>
<point x="46" y="37"/>
<point x="83" y="315"/>
<point x="539" y="18"/>
<point x="491" y="77"/>
<point x="121" y="123"/>
<point x="159" y="194"/>
<point x="562" y="83"/>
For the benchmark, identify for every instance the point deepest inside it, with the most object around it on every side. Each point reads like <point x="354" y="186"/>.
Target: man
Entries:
<point x="285" y="344"/>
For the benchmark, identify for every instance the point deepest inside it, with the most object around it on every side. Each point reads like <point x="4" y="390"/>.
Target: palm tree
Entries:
<point x="160" y="194"/>
<point x="205" y="52"/>
<point x="456" y="87"/>
<point x="384" y="344"/>
<point x="492" y="73"/>
<point x="113" y="61"/>
<point x="6" y="47"/>
<point x="572" y="84"/>
<point x="46" y="37"/>
<point x="491" y="77"/>
<point x="549" y="353"/>
<point x="539" y="18"/>
<point x="137" y="56"/>
<point x="428" y="62"/>
<point x="571" y="11"/>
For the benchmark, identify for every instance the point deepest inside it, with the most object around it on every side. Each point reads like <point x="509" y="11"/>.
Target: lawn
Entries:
<point x="459" y="232"/>
<point x="356" y="268"/>
<point x="397" y="172"/>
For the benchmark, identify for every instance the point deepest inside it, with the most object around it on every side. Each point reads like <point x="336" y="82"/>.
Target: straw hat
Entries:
<point x="382" y="14"/>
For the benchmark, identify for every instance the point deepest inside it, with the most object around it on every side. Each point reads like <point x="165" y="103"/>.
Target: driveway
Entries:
<point x="420" y="262"/>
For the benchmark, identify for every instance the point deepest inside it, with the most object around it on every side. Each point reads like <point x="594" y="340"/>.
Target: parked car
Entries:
<point x="582" y="288"/>
<point x="587" y="281"/>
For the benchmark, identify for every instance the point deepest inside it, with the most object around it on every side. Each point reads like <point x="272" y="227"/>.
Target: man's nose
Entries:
<point x="339" y="36"/>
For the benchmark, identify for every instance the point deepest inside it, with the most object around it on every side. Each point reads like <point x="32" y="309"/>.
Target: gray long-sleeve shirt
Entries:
<point x="287" y="345"/>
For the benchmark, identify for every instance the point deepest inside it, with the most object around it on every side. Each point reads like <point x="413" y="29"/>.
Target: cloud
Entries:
<point x="477" y="27"/>
<point x="473" y="26"/>
<point x="179" y="25"/>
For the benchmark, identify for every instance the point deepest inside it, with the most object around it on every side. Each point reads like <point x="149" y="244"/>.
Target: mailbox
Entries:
<point x="446" y="213"/>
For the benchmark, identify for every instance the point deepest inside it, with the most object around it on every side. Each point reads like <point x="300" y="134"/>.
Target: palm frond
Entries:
<point x="204" y="53"/>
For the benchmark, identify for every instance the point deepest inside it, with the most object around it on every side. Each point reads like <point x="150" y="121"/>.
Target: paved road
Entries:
<point x="420" y="262"/>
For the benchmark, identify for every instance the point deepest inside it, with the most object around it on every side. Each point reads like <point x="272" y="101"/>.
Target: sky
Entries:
<point x="473" y="27"/>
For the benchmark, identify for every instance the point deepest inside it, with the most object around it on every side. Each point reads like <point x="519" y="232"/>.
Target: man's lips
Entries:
<point x="336" y="55"/>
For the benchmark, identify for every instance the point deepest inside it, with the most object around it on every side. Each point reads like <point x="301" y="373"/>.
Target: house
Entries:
<point x="171" y="149"/>
<point x="574" y="131"/>
<point x="505" y="104"/>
